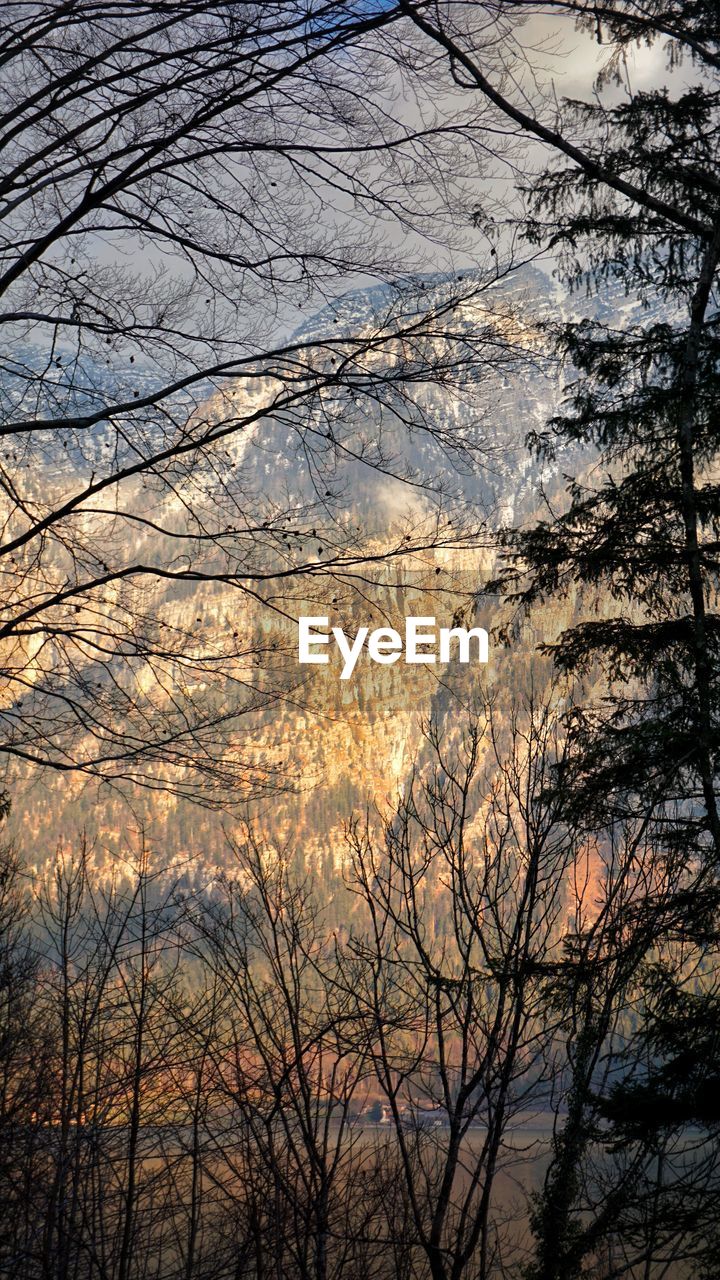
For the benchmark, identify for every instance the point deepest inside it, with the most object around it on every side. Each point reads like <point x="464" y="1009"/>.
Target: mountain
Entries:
<point x="341" y="745"/>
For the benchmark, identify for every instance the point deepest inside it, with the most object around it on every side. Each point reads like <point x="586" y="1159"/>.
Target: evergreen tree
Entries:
<point x="641" y="536"/>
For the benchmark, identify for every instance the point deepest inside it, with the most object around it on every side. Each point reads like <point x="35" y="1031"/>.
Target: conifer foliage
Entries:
<point x="639" y="537"/>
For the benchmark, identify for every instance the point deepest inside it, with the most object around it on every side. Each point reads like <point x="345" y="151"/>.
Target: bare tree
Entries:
<point x="607" y="1191"/>
<point x="25" y="1059"/>
<point x="181" y="187"/>
<point x="309" y="1186"/>
<point x="97" y="1155"/>
<point x="466" y="894"/>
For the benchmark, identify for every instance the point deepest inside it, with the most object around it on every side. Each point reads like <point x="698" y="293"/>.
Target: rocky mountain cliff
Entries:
<point x="344" y="745"/>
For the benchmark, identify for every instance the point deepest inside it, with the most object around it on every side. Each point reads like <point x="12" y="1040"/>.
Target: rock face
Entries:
<point x="341" y="745"/>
